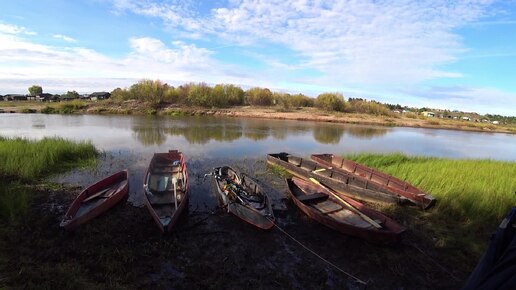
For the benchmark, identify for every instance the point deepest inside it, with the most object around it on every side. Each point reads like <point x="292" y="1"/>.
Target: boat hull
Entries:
<point x="87" y="205"/>
<point x="262" y="218"/>
<point x="334" y="214"/>
<point x="344" y="184"/>
<point x="386" y="183"/>
<point x="159" y="196"/>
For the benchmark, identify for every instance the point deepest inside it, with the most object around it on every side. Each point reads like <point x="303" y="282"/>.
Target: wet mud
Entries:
<point x="211" y="249"/>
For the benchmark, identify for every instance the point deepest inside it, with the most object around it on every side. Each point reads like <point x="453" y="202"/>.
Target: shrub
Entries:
<point x="199" y="95"/>
<point x="368" y="107"/>
<point x="259" y="97"/>
<point x="330" y="102"/>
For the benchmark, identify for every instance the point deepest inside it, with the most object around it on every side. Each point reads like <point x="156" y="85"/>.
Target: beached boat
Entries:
<point x="342" y="213"/>
<point x="243" y="197"/>
<point x="386" y="183"/>
<point x="166" y="188"/>
<point x="96" y="199"/>
<point x="343" y="183"/>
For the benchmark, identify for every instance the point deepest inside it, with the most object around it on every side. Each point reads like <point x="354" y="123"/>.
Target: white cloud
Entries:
<point x="64" y="37"/>
<point x="14" y="29"/>
<point x="369" y="42"/>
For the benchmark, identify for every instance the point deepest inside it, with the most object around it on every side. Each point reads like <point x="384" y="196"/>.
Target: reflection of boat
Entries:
<point x="497" y="268"/>
<point x="344" y="215"/>
<point x="96" y="199"/>
<point x="345" y="184"/>
<point x="166" y="188"/>
<point x="243" y="197"/>
<point x="386" y="183"/>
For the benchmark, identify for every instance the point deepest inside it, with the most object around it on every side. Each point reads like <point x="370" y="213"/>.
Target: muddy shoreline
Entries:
<point x="211" y="249"/>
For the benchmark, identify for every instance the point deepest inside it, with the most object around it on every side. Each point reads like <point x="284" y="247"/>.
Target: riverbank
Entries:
<point x="305" y="114"/>
<point x="209" y="248"/>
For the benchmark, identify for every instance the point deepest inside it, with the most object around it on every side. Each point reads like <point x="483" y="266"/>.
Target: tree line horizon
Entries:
<point x="157" y="92"/>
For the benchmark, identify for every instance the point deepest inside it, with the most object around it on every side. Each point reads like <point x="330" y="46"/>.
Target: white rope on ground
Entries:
<point x="317" y="255"/>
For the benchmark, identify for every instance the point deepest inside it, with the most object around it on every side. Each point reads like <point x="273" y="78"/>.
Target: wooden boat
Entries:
<point x="386" y="183"/>
<point x="342" y="213"/>
<point x="344" y="184"/>
<point x="96" y="199"/>
<point x="166" y="188"/>
<point x="243" y="197"/>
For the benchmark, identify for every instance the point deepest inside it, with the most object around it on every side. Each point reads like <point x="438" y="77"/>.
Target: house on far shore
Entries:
<point x="99" y="96"/>
<point x="428" y="114"/>
<point x="466" y="118"/>
<point x="15" y="97"/>
<point x="44" y="97"/>
<point x="496" y="122"/>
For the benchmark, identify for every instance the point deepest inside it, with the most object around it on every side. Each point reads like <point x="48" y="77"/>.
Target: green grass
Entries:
<point x="28" y="159"/>
<point x="472" y="196"/>
<point x="24" y="161"/>
<point x="472" y="190"/>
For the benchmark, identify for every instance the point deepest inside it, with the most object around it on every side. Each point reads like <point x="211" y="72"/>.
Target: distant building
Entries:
<point x="99" y="96"/>
<point x="15" y="97"/>
<point x="465" y="118"/>
<point x="44" y="97"/>
<point x="496" y="122"/>
<point x="428" y="114"/>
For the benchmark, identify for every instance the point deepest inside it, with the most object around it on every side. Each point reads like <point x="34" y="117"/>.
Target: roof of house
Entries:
<point x="95" y="94"/>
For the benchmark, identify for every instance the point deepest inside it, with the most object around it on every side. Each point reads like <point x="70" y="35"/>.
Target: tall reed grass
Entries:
<point x="23" y="161"/>
<point x="479" y="191"/>
<point x="26" y="159"/>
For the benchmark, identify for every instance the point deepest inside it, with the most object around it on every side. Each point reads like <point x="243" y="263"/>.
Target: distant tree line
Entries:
<point x="157" y="92"/>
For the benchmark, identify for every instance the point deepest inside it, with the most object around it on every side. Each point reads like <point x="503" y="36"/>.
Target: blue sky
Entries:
<point x="442" y="54"/>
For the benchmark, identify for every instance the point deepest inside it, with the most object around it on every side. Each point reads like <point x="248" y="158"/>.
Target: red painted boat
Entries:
<point x="166" y="188"/>
<point x="340" y="213"/>
<point x="344" y="183"/>
<point x="386" y="183"/>
<point x="243" y="197"/>
<point x="96" y="199"/>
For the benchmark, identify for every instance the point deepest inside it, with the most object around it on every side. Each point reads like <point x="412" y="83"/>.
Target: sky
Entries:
<point x="456" y="55"/>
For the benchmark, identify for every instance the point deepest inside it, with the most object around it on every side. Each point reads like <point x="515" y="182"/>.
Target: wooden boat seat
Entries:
<point x="316" y="197"/>
<point x="166" y="197"/>
<point x="327" y="207"/>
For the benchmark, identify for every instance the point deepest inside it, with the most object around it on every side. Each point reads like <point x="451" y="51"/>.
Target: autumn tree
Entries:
<point x="35" y="90"/>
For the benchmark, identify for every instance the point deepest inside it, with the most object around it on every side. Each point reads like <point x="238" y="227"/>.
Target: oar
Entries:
<point x="97" y="194"/>
<point x="174" y="180"/>
<point x="352" y="208"/>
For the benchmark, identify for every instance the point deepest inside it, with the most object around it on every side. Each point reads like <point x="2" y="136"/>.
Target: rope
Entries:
<point x="317" y="255"/>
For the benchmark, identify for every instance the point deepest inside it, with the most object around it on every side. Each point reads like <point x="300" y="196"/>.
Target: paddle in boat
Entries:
<point x="386" y="183"/>
<point x="96" y="199"/>
<point x="344" y="183"/>
<point x="166" y="188"/>
<point x="342" y="213"/>
<point x="243" y="197"/>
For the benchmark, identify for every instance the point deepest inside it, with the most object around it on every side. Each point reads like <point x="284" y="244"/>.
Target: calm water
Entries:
<point x="129" y="142"/>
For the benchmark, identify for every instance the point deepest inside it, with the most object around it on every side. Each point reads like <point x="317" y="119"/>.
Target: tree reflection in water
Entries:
<point x="201" y="130"/>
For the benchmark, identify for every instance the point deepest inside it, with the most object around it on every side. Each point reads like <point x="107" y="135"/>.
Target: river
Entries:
<point x="129" y="141"/>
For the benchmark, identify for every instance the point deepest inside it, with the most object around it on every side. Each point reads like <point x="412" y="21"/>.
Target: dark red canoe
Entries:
<point x="386" y="183"/>
<point x="96" y="199"/>
<point x="243" y="197"/>
<point x="166" y="188"/>
<point x="344" y="183"/>
<point x="321" y="205"/>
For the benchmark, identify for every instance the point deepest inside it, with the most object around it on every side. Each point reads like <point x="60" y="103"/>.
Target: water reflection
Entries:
<point x="203" y="130"/>
<point x="149" y="135"/>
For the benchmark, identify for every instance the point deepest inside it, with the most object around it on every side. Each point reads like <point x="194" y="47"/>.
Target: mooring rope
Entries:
<point x="317" y="255"/>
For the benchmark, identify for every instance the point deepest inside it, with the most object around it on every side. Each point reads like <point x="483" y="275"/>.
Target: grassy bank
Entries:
<point x="472" y="195"/>
<point x="24" y="161"/>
